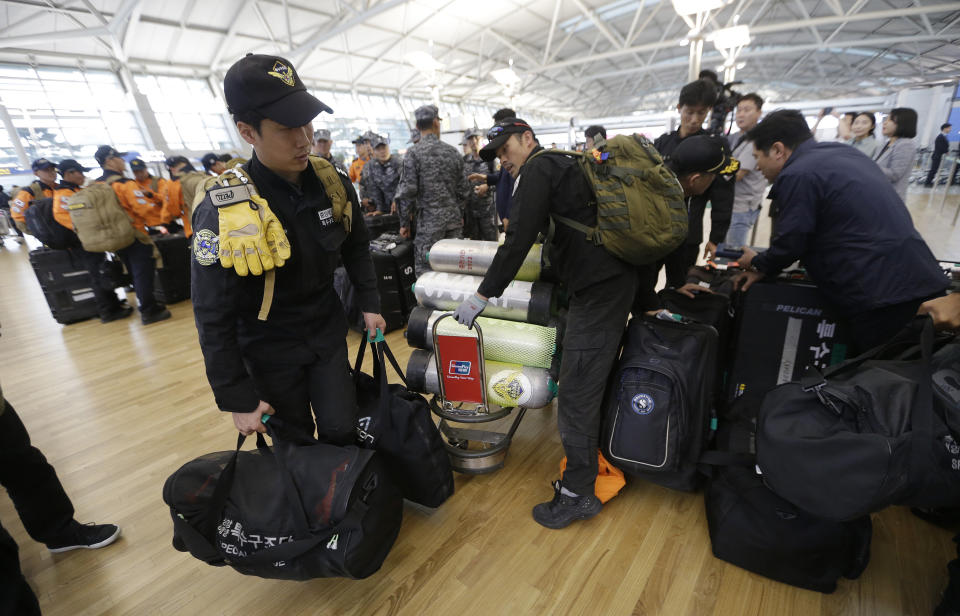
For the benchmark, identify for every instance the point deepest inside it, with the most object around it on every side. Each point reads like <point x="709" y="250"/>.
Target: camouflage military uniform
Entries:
<point x="480" y="218"/>
<point x="335" y="162"/>
<point x="433" y="176"/>
<point x="379" y="182"/>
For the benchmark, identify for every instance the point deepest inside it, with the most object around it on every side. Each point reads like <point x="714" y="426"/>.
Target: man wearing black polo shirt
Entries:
<point x="267" y="237"/>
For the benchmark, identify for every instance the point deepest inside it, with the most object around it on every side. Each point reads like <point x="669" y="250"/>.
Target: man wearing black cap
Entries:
<point x="433" y="177"/>
<point x="601" y="289"/>
<point x="848" y="228"/>
<point x="480" y="221"/>
<point x="267" y="237"/>
<point x="212" y="164"/>
<point x="108" y="304"/>
<point x="138" y="256"/>
<point x="695" y="101"/>
<point x="44" y="186"/>
<point x="380" y="177"/>
<point x="322" y="142"/>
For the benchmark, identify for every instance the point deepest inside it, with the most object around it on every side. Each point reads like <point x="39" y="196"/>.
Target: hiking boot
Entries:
<point x="120" y="312"/>
<point x="161" y="314"/>
<point x="86" y="536"/>
<point x="563" y="509"/>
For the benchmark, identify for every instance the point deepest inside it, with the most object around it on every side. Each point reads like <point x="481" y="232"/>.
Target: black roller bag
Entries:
<point x="399" y="425"/>
<point x="67" y="285"/>
<point x="295" y="511"/>
<point x="753" y="528"/>
<point x="172" y="282"/>
<point x="658" y="410"/>
<point x="880" y="429"/>
<point x="378" y="224"/>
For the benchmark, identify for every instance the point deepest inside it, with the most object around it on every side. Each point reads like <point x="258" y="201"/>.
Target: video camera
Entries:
<point x="727" y="99"/>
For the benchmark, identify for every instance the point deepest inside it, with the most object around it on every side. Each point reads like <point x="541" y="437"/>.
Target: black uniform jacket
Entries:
<point x="306" y="319"/>
<point x="840" y="216"/>
<point x="719" y="194"/>
<point x="552" y="183"/>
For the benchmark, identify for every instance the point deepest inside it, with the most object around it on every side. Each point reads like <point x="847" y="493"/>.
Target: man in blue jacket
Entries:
<point x="846" y="225"/>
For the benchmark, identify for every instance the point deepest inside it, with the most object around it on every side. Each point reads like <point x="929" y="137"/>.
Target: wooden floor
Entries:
<point x="118" y="407"/>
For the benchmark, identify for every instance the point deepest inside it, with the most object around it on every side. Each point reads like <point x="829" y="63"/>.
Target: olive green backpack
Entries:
<point x="641" y="211"/>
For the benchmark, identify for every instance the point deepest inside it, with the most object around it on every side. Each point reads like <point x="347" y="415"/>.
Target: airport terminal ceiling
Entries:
<point x="560" y="58"/>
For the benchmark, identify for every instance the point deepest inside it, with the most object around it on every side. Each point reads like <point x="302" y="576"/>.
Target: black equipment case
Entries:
<point x="781" y="327"/>
<point x="66" y="285"/>
<point x="172" y="282"/>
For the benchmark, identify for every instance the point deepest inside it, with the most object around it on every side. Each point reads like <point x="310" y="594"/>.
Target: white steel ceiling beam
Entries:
<point x="601" y="25"/>
<point x="231" y="31"/>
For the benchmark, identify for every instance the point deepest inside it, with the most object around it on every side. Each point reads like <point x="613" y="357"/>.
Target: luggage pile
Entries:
<point x="699" y="390"/>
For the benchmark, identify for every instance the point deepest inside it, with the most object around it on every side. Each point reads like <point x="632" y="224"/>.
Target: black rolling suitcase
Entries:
<point x="781" y="328"/>
<point x="382" y="223"/>
<point x="66" y="285"/>
<point x="659" y="412"/>
<point x="172" y="282"/>
<point x="393" y="261"/>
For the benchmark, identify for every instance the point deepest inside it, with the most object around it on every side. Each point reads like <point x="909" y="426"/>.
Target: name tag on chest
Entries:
<point x="326" y="217"/>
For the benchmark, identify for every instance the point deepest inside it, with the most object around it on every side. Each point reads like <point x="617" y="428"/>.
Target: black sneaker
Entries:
<point x="563" y="509"/>
<point x="87" y="536"/>
<point x="155" y="315"/>
<point x="121" y="312"/>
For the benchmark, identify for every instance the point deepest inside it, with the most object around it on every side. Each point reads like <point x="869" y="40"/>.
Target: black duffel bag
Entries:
<point x="295" y="511"/>
<point x="753" y="528"/>
<point x="397" y="423"/>
<point x="868" y="432"/>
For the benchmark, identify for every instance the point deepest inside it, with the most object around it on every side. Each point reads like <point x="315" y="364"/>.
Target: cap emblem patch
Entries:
<point x="282" y="72"/>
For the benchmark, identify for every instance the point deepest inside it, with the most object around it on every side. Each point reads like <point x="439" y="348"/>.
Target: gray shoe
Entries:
<point x="563" y="509"/>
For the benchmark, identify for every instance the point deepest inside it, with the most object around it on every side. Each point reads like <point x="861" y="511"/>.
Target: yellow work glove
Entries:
<point x="277" y="240"/>
<point x="243" y="244"/>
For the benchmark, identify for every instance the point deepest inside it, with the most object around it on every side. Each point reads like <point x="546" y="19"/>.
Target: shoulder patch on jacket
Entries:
<point x="206" y="247"/>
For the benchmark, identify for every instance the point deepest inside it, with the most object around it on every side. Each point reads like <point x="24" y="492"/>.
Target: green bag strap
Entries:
<point x="328" y="176"/>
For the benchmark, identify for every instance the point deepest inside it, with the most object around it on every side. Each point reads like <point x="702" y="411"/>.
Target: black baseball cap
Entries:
<point x="704" y="154"/>
<point x="106" y="151"/>
<point x="137" y="164"/>
<point x="209" y="160"/>
<point x="270" y="86"/>
<point x="41" y="163"/>
<point x="69" y="164"/>
<point x="499" y="134"/>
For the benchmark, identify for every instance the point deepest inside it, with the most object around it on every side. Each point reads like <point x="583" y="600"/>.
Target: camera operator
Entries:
<point x="696" y="99"/>
<point x="727" y="100"/>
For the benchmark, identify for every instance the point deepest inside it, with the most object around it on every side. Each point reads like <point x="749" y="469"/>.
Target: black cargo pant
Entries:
<point x="679" y="262"/>
<point x="107" y="300"/>
<point x="43" y="507"/>
<point x="138" y="259"/>
<point x="595" y="324"/>
<point x="323" y="384"/>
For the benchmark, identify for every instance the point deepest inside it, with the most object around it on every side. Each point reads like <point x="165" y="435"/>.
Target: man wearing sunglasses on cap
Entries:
<point x="601" y="289"/>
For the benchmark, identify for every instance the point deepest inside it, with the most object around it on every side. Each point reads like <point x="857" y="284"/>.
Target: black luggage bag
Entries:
<point x="658" y="410"/>
<point x="781" y="327"/>
<point x="880" y="429"/>
<point x="172" y="282"/>
<point x="42" y="225"/>
<point x="66" y="285"/>
<point x="753" y="528"/>
<point x="379" y="224"/>
<point x="398" y="424"/>
<point x="295" y="511"/>
<point x="393" y="262"/>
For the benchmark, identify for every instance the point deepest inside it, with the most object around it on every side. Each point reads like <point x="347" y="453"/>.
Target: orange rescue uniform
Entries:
<point x="21" y="201"/>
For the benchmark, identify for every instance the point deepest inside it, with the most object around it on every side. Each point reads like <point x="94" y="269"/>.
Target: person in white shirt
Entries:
<point x="751" y="184"/>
